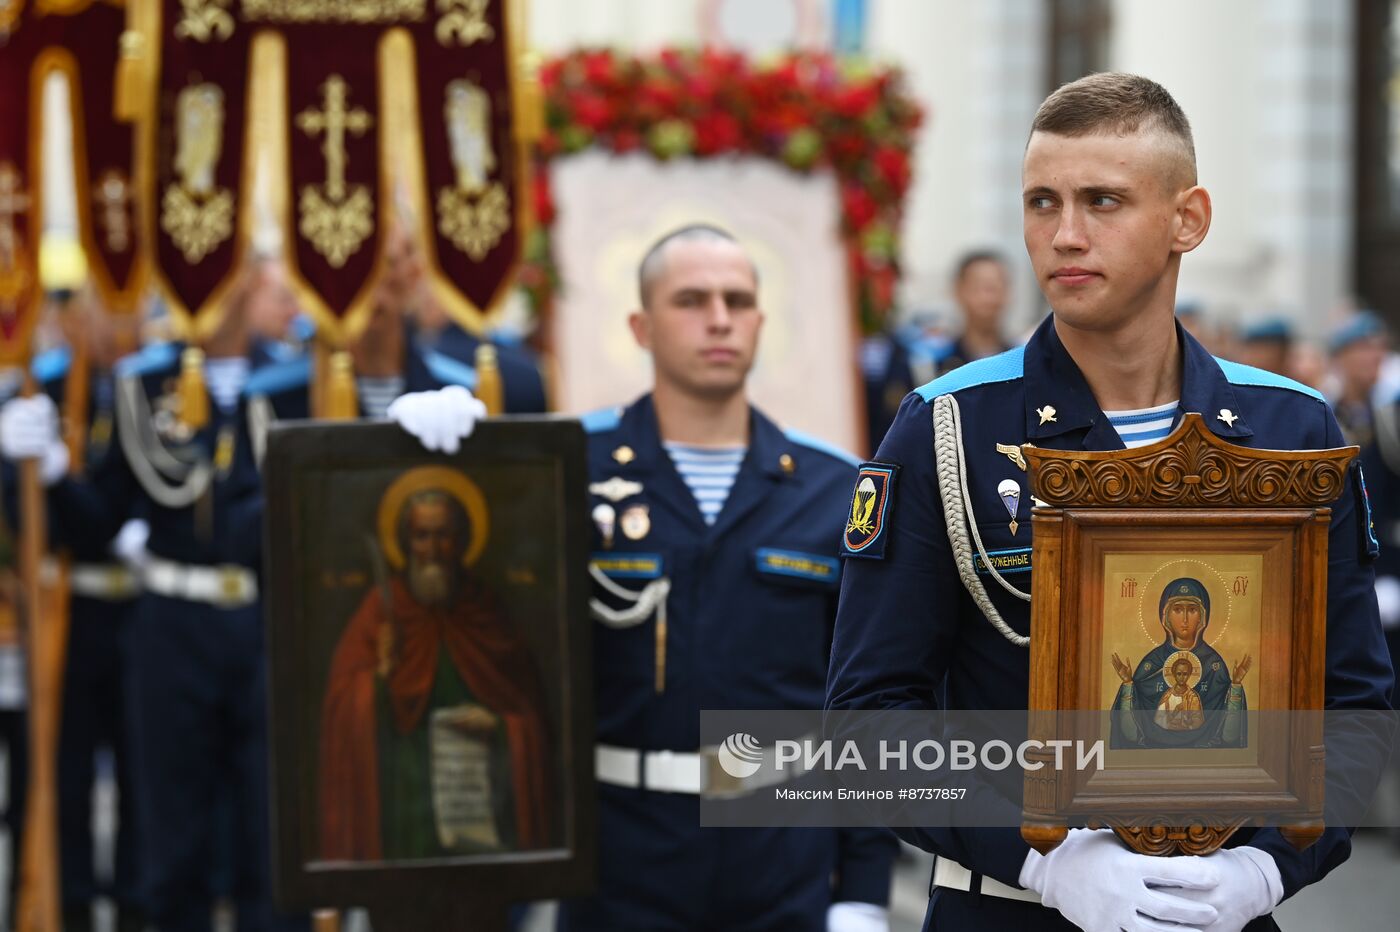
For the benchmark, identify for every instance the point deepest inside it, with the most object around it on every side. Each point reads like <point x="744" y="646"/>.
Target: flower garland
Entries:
<point x="808" y="111"/>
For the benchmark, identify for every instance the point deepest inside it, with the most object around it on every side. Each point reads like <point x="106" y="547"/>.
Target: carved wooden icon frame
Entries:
<point x="1190" y="499"/>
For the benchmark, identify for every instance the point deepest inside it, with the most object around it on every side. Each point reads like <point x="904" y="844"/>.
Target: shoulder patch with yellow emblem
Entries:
<point x="867" y="519"/>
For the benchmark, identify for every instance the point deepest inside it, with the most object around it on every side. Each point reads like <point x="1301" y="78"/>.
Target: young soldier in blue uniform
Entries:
<point x="1110" y="206"/>
<point x="715" y="586"/>
<point x="196" y="688"/>
<point x="103" y="593"/>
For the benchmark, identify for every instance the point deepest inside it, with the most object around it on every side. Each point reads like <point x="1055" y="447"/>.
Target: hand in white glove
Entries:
<point x="29" y="430"/>
<point x="438" y="419"/>
<point x="850" y="916"/>
<point x="1250" y="886"/>
<point x="1101" y="886"/>
<point x="1388" y="600"/>
<point x="129" y="546"/>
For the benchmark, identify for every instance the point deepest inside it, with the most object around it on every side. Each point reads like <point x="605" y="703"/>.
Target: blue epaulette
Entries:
<point x="450" y="371"/>
<point x="151" y="358"/>
<point x="1003" y="367"/>
<point x="51" y="365"/>
<point x="279" y="377"/>
<point x="1240" y="374"/>
<point x="595" y="422"/>
<point x="821" y="446"/>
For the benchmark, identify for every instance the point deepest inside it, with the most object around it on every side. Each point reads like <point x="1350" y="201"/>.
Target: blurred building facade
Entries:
<point x="1303" y="216"/>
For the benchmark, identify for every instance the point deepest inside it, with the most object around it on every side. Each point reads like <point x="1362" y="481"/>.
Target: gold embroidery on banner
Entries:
<point x="334" y="11"/>
<point x="197" y="213"/>
<point x="335" y="217"/>
<point x="112" y="195"/>
<point x="463" y="22"/>
<point x="475" y="213"/>
<point x="204" y="20"/>
<point x="9" y="15"/>
<point x="15" y="277"/>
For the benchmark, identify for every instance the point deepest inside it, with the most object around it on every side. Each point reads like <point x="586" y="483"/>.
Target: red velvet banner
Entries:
<point x="471" y="157"/>
<point x="333" y="130"/>
<point x="103" y="157"/>
<point x="22" y="36"/>
<point x="199" y="104"/>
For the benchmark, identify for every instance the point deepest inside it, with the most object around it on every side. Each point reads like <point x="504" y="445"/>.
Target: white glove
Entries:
<point x="29" y="430"/>
<point x="129" y="546"/>
<point x="438" y="419"/>
<point x="1101" y="886"/>
<point x="850" y="916"/>
<point x="1250" y="886"/>
<point x="1388" y="601"/>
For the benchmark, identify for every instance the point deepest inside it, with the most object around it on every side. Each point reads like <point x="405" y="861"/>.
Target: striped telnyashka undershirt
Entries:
<point x="709" y="472"/>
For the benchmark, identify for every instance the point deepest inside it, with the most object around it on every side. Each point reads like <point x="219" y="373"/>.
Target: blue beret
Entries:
<point x="1184" y="588"/>
<point x="1362" y="325"/>
<point x="1267" y="330"/>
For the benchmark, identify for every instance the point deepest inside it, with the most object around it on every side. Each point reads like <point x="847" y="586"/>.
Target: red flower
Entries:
<point x="856" y="101"/>
<point x="598" y="67"/>
<point x="544" y="197"/>
<point x="717" y="131"/>
<point x="626" y="140"/>
<point x="858" y="205"/>
<point x="592" y="112"/>
<point x="893" y="166"/>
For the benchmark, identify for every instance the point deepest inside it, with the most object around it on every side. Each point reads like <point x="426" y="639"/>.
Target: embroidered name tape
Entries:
<point x="867" y="520"/>
<point x="628" y="565"/>
<point x="808" y="566"/>
<point x="1004" y="561"/>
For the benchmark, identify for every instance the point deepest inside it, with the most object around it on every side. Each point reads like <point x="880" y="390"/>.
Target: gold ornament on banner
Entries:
<point x="111" y="196"/>
<point x="357" y="12"/>
<point x="15" y="278"/>
<point x="9" y="14"/>
<point x="336" y="218"/>
<point x="474" y="214"/>
<point x="463" y="22"/>
<point x="204" y="20"/>
<point x="197" y="213"/>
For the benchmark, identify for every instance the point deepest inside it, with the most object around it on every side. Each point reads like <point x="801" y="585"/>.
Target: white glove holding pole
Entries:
<point x="850" y="916"/>
<point x="1101" y="886"/>
<point x="29" y="431"/>
<point x="439" y="419"/>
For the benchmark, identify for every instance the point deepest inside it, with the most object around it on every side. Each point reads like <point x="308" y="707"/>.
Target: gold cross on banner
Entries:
<point x="13" y="202"/>
<point x="112" y="195"/>
<point x="334" y="122"/>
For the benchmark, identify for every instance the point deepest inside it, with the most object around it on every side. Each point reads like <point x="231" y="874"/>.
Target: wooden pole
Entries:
<point x="46" y="636"/>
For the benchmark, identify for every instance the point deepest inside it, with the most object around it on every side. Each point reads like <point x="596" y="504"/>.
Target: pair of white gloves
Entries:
<point x="1101" y="886"/>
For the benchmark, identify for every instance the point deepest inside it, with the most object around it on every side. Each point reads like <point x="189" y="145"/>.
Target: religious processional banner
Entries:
<point x="331" y="147"/>
<point x="81" y="39"/>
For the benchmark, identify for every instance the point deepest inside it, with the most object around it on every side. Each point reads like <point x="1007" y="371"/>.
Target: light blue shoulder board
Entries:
<point x="450" y="371"/>
<point x="816" y="443"/>
<point x="151" y="358"/>
<point x="1003" y="367"/>
<point x="51" y="365"/>
<point x="595" y="422"/>
<point x="279" y="377"/>
<point x="1240" y="374"/>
